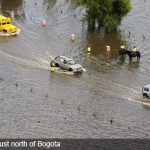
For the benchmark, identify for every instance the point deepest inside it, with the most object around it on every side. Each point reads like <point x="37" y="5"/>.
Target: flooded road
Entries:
<point x="104" y="102"/>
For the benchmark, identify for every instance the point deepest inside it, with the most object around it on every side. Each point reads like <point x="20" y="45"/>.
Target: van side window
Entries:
<point x="146" y="89"/>
<point x="65" y="62"/>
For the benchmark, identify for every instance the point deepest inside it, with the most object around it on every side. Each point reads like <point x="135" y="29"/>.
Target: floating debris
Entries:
<point x="31" y="90"/>
<point x="94" y="115"/>
<point x="1" y="79"/>
<point x="111" y="121"/>
<point x="16" y="84"/>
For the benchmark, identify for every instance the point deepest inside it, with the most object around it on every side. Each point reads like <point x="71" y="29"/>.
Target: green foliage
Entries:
<point x="110" y="22"/>
<point x="92" y="10"/>
<point x="108" y="13"/>
<point x="121" y="7"/>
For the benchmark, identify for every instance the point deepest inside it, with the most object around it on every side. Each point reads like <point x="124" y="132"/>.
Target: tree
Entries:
<point x="108" y="13"/>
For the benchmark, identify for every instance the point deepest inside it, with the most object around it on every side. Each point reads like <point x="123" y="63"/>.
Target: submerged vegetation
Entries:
<point x="107" y="13"/>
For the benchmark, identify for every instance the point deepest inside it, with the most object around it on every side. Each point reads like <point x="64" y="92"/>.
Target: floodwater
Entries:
<point x="104" y="102"/>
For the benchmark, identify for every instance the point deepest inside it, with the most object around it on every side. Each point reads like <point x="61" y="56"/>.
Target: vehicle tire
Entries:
<point x="57" y="65"/>
<point x="145" y="95"/>
<point x="4" y="31"/>
<point x="70" y="69"/>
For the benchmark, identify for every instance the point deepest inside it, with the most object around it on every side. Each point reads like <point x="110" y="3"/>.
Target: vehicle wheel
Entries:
<point x="4" y="31"/>
<point x="70" y="69"/>
<point x="57" y="65"/>
<point x="145" y="95"/>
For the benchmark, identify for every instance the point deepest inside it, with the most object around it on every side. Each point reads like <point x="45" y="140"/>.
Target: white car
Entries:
<point x="146" y="91"/>
<point x="67" y="63"/>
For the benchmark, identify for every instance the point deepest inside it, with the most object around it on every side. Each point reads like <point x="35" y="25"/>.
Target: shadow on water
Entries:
<point x="14" y="6"/>
<point x="134" y="65"/>
<point x="98" y="42"/>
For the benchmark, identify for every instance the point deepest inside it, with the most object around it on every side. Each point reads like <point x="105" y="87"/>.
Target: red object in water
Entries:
<point x="44" y="23"/>
<point x="73" y="38"/>
<point x="108" y="48"/>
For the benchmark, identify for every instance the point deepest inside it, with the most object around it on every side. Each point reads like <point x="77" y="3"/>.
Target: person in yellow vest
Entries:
<point x="89" y="49"/>
<point x="134" y="49"/>
<point x="52" y="66"/>
<point x="122" y="46"/>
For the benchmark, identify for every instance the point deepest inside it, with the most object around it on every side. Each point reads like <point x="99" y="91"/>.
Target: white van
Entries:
<point x="146" y="91"/>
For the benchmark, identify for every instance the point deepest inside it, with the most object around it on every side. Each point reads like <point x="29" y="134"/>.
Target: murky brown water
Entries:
<point x="77" y="106"/>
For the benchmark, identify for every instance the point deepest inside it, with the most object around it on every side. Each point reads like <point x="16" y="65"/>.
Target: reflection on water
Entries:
<point x="14" y="6"/>
<point x="99" y="41"/>
<point x="110" y="89"/>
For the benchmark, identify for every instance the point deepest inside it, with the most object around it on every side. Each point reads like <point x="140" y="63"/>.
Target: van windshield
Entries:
<point x="146" y="89"/>
<point x="71" y="62"/>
